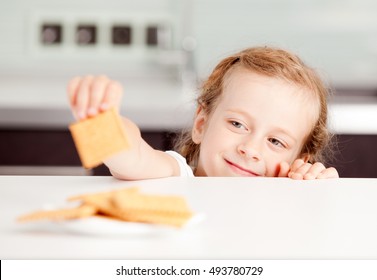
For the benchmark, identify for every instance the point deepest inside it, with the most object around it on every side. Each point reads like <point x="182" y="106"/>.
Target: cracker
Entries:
<point x="172" y="219"/>
<point x="150" y="203"/>
<point x="156" y="209"/>
<point x="82" y="211"/>
<point x="99" y="137"/>
<point x="102" y="200"/>
<point x="103" y="195"/>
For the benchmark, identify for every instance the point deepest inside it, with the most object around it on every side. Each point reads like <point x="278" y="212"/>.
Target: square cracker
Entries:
<point x="99" y="137"/>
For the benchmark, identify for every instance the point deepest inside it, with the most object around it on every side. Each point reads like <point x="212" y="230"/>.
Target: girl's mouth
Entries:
<point x="240" y="170"/>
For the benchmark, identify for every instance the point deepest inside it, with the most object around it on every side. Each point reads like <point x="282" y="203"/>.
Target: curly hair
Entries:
<point x="271" y="62"/>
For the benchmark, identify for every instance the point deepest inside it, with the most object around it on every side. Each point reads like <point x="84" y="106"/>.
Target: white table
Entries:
<point x="246" y="218"/>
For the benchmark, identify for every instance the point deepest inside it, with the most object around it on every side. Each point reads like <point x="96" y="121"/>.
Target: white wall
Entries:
<point x="337" y="37"/>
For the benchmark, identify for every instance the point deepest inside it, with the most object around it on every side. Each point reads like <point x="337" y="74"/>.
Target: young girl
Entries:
<point x="262" y="112"/>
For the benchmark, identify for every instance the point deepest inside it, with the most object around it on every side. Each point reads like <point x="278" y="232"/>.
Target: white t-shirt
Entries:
<point x="184" y="169"/>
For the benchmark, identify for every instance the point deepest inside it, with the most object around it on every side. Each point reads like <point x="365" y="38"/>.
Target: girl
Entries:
<point x="262" y="112"/>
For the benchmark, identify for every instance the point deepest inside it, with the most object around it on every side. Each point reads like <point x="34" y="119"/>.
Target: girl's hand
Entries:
<point x="301" y="170"/>
<point x="90" y="95"/>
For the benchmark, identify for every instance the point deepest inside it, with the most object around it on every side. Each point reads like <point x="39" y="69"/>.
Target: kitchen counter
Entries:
<point x="153" y="105"/>
<point x="245" y="218"/>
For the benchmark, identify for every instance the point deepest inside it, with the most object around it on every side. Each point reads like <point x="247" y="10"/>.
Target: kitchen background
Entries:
<point x="160" y="50"/>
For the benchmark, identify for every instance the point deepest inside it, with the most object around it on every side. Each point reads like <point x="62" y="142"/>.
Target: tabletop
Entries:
<point x="242" y="218"/>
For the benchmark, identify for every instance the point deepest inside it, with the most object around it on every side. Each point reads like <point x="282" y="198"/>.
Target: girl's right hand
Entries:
<point x="91" y="95"/>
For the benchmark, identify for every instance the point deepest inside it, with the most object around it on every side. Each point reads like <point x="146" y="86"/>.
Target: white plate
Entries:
<point x="111" y="227"/>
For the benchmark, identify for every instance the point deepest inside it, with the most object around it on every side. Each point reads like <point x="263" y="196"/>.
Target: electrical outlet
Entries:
<point x="51" y="34"/>
<point x="86" y="34"/>
<point x="159" y="35"/>
<point x="121" y="35"/>
<point x="140" y="38"/>
<point x="151" y="38"/>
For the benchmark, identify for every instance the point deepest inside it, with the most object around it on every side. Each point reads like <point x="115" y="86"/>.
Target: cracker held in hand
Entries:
<point x="99" y="137"/>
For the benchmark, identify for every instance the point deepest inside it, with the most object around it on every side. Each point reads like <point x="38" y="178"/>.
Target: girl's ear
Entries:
<point x="199" y="124"/>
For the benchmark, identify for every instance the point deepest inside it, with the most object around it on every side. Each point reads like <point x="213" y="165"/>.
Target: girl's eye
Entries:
<point x="276" y="142"/>
<point x="237" y="124"/>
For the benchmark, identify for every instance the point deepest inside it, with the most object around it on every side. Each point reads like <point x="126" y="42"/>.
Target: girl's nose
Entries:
<point x="249" y="150"/>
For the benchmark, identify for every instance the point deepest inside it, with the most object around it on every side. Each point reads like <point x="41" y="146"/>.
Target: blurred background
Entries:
<point x="161" y="50"/>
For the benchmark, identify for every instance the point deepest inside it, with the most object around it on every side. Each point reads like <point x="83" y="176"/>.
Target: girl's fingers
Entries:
<point x="82" y="97"/>
<point x="89" y="95"/>
<point x="112" y="97"/>
<point x="299" y="169"/>
<point x="283" y="169"/>
<point x="297" y="164"/>
<point x="328" y="173"/>
<point x="314" y="171"/>
<point x="97" y="93"/>
<point x="72" y="90"/>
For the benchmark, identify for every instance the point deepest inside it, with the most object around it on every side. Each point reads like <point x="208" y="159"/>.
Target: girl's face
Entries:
<point x="258" y="123"/>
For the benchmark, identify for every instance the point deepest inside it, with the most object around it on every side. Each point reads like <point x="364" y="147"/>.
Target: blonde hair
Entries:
<point x="271" y="62"/>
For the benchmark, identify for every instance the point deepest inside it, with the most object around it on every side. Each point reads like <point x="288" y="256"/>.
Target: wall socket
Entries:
<point x="68" y="33"/>
<point x="86" y="34"/>
<point x="51" y="33"/>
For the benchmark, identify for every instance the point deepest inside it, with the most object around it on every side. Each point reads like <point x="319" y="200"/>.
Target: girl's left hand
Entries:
<point x="301" y="170"/>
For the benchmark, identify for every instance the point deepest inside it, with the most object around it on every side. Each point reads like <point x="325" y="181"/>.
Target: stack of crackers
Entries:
<point x="125" y="205"/>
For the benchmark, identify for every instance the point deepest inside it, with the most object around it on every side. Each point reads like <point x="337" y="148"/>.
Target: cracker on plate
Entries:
<point x="82" y="211"/>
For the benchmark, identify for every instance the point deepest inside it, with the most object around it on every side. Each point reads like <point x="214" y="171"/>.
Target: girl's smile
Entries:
<point x="240" y="170"/>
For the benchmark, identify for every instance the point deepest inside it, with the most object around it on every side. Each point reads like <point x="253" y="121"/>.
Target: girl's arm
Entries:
<point x="89" y="96"/>
<point x="140" y="161"/>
